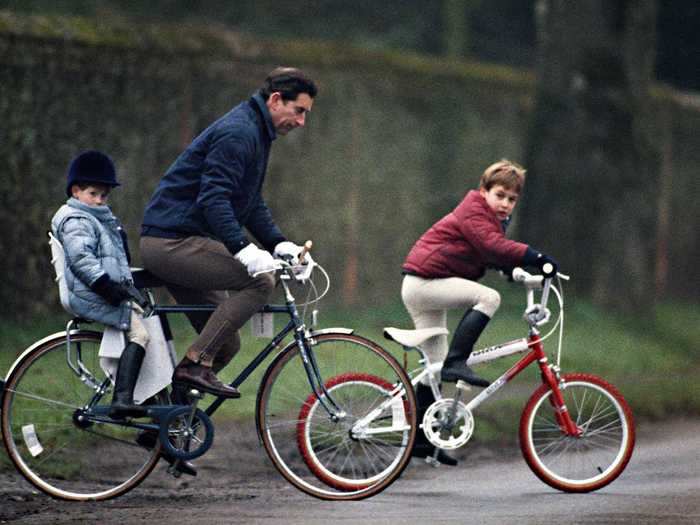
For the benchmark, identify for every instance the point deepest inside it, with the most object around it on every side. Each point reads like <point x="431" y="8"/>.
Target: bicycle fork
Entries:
<point x="550" y="377"/>
<point x="313" y="374"/>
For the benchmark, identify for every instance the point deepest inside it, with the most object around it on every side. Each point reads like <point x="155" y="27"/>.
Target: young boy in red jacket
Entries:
<point x="441" y="270"/>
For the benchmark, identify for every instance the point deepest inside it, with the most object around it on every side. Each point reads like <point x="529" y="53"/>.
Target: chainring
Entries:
<point x="436" y="419"/>
<point x="185" y="439"/>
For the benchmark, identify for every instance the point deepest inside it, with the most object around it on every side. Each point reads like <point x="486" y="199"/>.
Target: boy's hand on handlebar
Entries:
<point x="547" y="265"/>
<point x="136" y="296"/>
<point x="256" y="260"/>
<point x="111" y="291"/>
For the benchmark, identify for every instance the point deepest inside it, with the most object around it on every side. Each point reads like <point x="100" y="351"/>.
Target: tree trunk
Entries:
<point x="456" y="32"/>
<point x="593" y="169"/>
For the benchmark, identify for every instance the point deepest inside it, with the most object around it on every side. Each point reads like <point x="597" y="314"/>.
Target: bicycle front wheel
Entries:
<point x="48" y="437"/>
<point x="581" y="463"/>
<point x="350" y="443"/>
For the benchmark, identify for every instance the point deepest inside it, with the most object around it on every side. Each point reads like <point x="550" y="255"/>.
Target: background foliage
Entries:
<point x="496" y="30"/>
<point x="393" y="143"/>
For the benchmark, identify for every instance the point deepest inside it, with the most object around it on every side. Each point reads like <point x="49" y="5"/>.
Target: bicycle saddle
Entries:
<point x="413" y="337"/>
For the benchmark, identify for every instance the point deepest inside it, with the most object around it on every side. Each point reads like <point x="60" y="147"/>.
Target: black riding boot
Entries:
<point x="127" y="374"/>
<point x="455" y="365"/>
<point x="421" y="446"/>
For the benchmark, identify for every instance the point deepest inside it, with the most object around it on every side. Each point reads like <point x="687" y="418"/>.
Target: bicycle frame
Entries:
<point x="549" y="373"/>
<point x="535" y="315"/>
<point x="295" y="325"/>
<point x="301" y="335"/>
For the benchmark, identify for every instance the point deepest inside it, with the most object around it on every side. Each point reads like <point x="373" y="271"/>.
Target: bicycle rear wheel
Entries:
<point x="337" y="458"/>
<point x="50" y="441"/>
<point x="596" y="457"/>
<point x="360" y="393"/>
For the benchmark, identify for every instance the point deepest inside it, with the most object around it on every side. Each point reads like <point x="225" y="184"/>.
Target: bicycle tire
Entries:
<point x="590" y="461"/>
<point x="284" y="395"/>
<point x="62" y="456"/>
<point x="361" y="385"/>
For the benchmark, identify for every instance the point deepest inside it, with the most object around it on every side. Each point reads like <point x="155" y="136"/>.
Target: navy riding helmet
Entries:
<point x="91" y="167"/>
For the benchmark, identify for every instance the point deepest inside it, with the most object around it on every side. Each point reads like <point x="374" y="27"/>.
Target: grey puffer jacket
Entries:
<point x="93" y="246"/>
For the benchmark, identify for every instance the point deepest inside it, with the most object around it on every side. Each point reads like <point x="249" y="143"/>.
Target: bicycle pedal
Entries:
<point x="463" y="385"/>
<point x="430" y="460"/>
<point x="173" y="471"/>
<point x="195" y="394"/>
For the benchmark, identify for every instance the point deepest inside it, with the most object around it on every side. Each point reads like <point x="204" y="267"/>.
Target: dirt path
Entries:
<point x="237" y="484"/>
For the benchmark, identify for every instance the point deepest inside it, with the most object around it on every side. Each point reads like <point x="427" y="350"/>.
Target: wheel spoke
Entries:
<point x="63" y="455"/>
<point x="44" y="399"/>
<point x="325" y="457"/>
<point x="578" y="463"/>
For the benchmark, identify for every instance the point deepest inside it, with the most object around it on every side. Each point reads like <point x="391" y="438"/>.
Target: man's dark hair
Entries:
<point x="289" y="82"/>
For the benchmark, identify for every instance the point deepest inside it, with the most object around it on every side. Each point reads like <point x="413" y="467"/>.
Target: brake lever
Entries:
<point x="304" y="250"/>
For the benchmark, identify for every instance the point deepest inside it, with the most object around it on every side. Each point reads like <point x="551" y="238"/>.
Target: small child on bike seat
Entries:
<point x="441" y="270"/>
<point x="97" y="270"/>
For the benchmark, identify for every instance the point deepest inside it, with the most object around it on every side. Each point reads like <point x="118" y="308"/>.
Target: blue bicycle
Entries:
<point x="59" y="435"/>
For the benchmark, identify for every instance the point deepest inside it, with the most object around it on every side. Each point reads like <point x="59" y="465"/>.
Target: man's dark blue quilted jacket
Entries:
<point x="214" y="188"/>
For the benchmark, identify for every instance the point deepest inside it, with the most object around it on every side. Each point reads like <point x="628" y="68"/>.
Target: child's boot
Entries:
<point x="127" y="374"/>
<point x="455" y="365"/>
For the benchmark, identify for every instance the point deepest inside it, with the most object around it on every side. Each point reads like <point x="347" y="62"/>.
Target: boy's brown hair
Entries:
<point x="506" y="173"/>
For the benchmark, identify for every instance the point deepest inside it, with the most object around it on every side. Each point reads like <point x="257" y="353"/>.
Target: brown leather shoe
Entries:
<point x="203" y="378"/>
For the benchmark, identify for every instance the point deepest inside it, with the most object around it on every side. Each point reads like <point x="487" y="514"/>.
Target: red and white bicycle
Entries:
<point x="576" y="431"/>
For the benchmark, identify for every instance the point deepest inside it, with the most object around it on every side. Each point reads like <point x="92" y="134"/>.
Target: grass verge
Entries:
<point x="654" y="361"/>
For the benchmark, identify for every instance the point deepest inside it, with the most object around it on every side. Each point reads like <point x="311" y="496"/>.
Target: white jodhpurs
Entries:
<point x="428" y="300"/>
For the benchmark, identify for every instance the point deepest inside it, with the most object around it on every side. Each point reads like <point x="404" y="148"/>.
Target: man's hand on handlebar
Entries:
<point x="292" y="253"/>
<point x="256" y="260"/>
<point x="298" y="258"/>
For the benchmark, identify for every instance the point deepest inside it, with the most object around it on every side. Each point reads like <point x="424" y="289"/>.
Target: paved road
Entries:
<point x="660" y="485"/>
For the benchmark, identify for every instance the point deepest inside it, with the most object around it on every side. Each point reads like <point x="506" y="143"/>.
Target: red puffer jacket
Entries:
<point x="463" y="243"/>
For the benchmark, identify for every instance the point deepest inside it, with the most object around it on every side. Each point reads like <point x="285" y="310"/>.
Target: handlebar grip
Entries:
<point x="304" y="250"/>
<point x="519" y="275"/>
<point x="136" y="295"/>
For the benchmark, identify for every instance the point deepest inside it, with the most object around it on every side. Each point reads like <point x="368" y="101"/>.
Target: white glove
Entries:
<point x="287" y="249"/>
<point x="256" y="260"/>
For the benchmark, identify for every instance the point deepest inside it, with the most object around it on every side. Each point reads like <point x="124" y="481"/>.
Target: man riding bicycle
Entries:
<point x="192" y="234"/>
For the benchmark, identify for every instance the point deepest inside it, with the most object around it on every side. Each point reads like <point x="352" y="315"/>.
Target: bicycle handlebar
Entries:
<point x="521" y="276"/>
<point x="305" y="249"/>
<point x="529" y="280"/>
<point x="536" y="314"/>
<point x="300" y="271"/>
